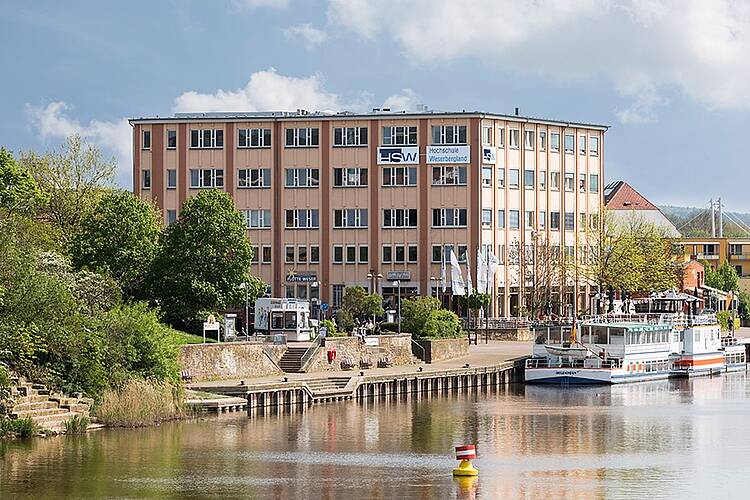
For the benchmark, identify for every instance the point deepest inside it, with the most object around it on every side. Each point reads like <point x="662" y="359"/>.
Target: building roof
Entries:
<point x="381" y="113"/>
<point x="619" y="195"/>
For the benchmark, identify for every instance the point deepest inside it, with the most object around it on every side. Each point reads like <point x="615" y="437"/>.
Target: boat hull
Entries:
<point x="587" y="376"/>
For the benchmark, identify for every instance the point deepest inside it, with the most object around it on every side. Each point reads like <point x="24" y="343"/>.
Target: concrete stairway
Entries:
<point x="291" y="361"/>
<point x="329" y="387"/>
<point x="48" y="410"/>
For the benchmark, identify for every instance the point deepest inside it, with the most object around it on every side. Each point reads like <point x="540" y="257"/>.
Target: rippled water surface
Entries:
<point x="667" y="439"/>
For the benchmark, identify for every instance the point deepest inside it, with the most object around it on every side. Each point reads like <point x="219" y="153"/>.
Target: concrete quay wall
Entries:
<point x="396" y="348"/>
<point x="230" y="360"/>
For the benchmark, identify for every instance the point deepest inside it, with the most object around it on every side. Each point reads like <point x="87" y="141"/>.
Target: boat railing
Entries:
<point x="672" y="319"/>
<point x="572" y="363"/>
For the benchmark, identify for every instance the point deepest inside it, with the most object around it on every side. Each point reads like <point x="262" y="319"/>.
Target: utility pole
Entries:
<point x="721" y="219"/>
<point x="713" y="218"/>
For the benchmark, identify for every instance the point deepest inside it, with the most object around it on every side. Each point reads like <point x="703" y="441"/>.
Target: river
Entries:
<point x="666" y="439"/>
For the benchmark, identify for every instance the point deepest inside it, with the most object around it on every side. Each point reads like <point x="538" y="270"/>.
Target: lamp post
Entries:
<point x="397" y="284"/>
<point x="374" y="278"/>
<point x="246" y="323"/>
<point x="433" y="284"/>
<point x="314" y="285"/>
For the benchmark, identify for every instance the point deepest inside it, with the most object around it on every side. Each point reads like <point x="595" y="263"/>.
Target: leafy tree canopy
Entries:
<point x="19" y="193"/>
<point x="724" y="278"/>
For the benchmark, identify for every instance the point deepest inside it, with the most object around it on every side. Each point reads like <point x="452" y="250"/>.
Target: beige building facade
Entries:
<point x="333" y="200"/>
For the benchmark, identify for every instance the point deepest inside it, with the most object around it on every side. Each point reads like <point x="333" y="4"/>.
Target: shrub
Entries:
<point x="77" y="424"/>
<point x="442" y="324"/>
<point x="22" y="427"/>
<point x="724" y="317"/>
<point x="140" y="402"/>
<point x="4" y="390"/>
<point x="415" y="313"/>
<point x="332" y="330"/>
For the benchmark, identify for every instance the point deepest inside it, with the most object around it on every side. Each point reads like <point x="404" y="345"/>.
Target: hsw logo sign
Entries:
<point x="408" y="155"/>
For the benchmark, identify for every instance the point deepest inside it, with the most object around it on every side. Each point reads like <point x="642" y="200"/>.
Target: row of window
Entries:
<point x="443" y="175"/>
<point x="541" y="220"/>
<point x="392" y="136"/>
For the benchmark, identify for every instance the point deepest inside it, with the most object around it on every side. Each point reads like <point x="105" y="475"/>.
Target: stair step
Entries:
<point x="36" y="405"/>
<point x="31" y="399"/>
<point x="34" y="414"/>
<point x="55" y="422"/>
<point x="77" y="407"/>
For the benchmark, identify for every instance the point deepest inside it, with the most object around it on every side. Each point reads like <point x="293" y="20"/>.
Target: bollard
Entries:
<point x="465" y="454"/>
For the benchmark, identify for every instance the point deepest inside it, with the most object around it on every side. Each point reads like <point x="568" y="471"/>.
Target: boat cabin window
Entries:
<point x="290" y="320"/>
<point x="697" y="337"/>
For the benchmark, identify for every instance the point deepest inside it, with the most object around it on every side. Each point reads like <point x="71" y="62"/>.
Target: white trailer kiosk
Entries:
<point x="283" y="316"/>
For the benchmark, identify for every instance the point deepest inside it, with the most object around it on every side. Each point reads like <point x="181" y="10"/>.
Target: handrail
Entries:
<point x="424" y="353"/>
<point x="307" y="356"/>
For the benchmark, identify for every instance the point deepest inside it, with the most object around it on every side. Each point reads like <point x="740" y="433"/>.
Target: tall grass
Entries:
<point x="140" y="402"/>
<point x="77" y="424"/>
<point x="22" y="427"/>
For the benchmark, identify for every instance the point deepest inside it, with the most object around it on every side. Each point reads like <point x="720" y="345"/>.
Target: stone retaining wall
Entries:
<point x="441" y="349"/>
<point x="228" y="360"/>
<point x="522" y="334"/>
<point x="395" y="347"/>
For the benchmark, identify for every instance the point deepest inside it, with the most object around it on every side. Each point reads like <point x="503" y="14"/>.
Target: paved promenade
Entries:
<point x="481" y="355"/>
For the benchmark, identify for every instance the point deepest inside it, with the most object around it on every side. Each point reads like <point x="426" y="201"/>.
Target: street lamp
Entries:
<point x="314" y="285"/>
<point x="397" y="283"/>
<point x="433" y="281"/>
<point x="246" y="324"/>
<point x="374" y="278"/>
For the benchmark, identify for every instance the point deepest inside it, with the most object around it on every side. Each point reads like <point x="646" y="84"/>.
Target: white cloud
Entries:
<point x="254" y="4"/>
<point x="406" y="100"/>
<point x="266" y="90"/>
<point x="113" y="137"/>
<point x="309" y="35"/>
<point x="695" y="46"/>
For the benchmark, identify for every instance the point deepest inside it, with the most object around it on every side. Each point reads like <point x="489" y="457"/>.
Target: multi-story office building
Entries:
<point x="332" y="198"/>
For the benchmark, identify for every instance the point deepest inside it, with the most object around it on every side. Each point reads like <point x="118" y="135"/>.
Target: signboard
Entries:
<point x="301" y="278"/>
<point x="399" y="155"/>
<point x="488" y="155"/>
<point x="372" y="341"/>
<point x="324" y="306"/>
<point x="448" y="154"/>
<point x="398" y="275"/>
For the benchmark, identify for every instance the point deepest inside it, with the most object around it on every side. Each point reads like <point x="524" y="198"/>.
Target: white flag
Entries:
<point x="482" y="271"/>
<point x="443" y="277"/>
<point x="457" y="280"/>
<point x="492" y="265"/>
<point x="469" y="284"/>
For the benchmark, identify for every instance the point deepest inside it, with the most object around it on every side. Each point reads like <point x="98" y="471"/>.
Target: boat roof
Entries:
<point x="631" y="326"/>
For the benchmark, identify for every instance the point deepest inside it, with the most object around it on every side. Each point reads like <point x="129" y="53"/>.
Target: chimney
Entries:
<point x="517" y="110"/>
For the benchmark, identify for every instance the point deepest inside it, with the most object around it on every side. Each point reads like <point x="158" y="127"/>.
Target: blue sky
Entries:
<point x="671" y="77"/>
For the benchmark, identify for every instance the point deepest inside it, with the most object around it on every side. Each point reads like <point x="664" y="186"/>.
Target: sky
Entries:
<point x="671" y="77"/>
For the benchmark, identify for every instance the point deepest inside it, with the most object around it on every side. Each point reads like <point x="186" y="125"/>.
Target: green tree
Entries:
<point x="118" y="238"/>
<point x="724" y="278"/>
<point x="19" y="193"/>
<point x="357" y="304"/>
<point x="72" y="178"/>
<point x="203" y="258"/>
<point x="415" y="312"/>
<point x="423" y="318"/>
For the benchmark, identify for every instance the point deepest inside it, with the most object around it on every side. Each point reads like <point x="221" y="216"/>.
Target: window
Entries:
<point x="449" y="134"/>
<point x="542" y="140"/>
<point x="449" y="175"/>
<point x="500" y="177"/>
<point x="529" y="221"/>
<point x="528" y="179"/>
<point x="399" y="217"/>
<point x="257" y="219"/>
<point x="542" y="219"/>
<point x="582" y="183"/>
<point x="364" y="251"/>
<point x="399" y="254"/>
<point x="513" y="222"/>
<point x="500" y="137"/>
<point x="570" y="221"/>
<point x="582" y="221"/>
<point x="146" y="139"/>
<point x="710" y="249"/>
<point x="487" y="217"/>
<point x="399" y="136"/>
<point x="350" y="136"/>
<point x="412" y="253"/>
<point x="554" y="221"/>
<point x="594" y="220"/>
<point x="171" y="178"/>
<point x="254" y="178"/>
<point x="594" y="145"/>
<point x="350" y="218"/>
<point x="302" y="137"/>
<point x="513" y="138"/>
<point x="568" y="181"/>
<point x="400" y="176"/>
<point x="302" y="177"/>
<point x="570" y="143"/>
<point x="338" y="254"/>
<point x="255" y="256"/>
<point x="206" y="139"/>
<point x="487" y="175"/>
<point x="501" y="218"/>
<point x="437" y="253"/>
<point x="349" y="177"/>
<point x="206" y="178"/>
<point x="171" y="216"/>
<point x="594" y="183"/>
<point x="351" y="254"/>
<point x="146" y="179"/>
<point x="337" y="294"/>
<point x="171" y="139"/>
<point x="487" y="136"/>
<point x="448" y="217"/>
<point x="513" y="178"/>
<point x="302" y="218"/>
<point x="554" y="181"/>
<point x="387" y="254"/>
<point x="302" y="254"/>
<point x="265" y="254"/>
<point x="501" y="254"/>
<point x="554" y="141"/>
<point x="528" y="139"/>
<point x="735" y="249"/>
<point x="254" y="138"/>
<point x="582" y="145"/>
<point x="542" y="180"/>
<point x="289" y="254"/>
<point x="314" y="254"/>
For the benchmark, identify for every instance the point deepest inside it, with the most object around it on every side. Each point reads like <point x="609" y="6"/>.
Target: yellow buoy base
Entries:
<point x="465" y="469"/>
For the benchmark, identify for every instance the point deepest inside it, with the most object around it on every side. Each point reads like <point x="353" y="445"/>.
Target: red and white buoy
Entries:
<point x="465" y="454"/>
